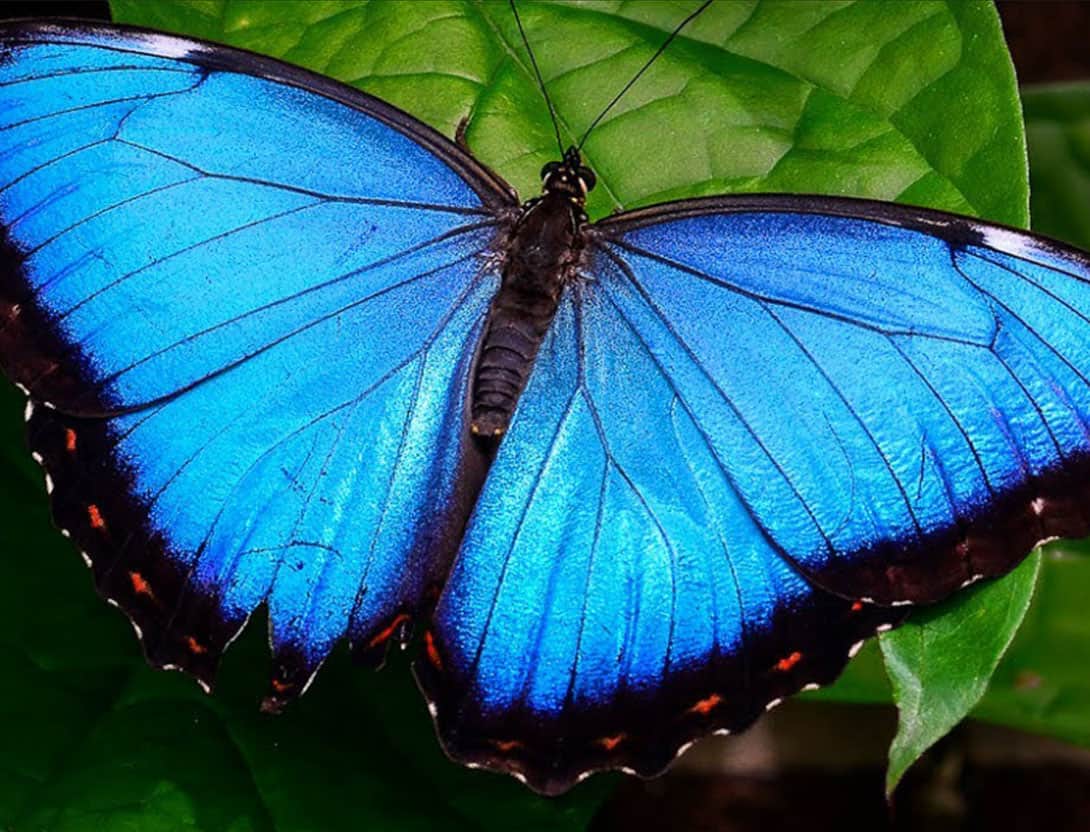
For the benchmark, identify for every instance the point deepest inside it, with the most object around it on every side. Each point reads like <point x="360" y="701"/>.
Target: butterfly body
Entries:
<point x="541" y="256"/>
<point x="734" y="431"/>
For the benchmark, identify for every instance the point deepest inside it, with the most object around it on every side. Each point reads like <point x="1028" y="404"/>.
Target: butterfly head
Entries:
<point x="568" y="176"/>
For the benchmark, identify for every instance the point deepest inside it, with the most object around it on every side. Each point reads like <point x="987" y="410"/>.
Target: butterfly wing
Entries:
<point x="755" y="417"/>
<point x="241" y="299"/>
<point x="613" y="599"/>
<point x="900" y="396"/>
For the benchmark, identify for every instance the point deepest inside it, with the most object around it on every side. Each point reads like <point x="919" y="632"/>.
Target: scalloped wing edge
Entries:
<point x="615" y="736"/>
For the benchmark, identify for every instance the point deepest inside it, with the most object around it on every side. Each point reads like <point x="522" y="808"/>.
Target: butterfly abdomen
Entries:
<point x="517" y="324"/>
<point x="543" y="250"/>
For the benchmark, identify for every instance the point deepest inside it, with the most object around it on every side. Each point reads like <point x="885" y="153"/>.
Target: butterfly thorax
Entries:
<point x="543" y="252"/>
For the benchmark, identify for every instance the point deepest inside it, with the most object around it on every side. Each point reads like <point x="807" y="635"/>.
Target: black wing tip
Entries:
<point x="643" y="732"/>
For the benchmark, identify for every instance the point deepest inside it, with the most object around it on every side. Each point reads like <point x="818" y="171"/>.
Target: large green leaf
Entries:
<point x="941" y="661"/>
<point x="910" y="101"/>
<point x="1042" y="684"/>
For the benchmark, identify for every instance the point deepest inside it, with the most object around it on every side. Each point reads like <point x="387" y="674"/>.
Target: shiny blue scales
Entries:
<point x="244" y="302"/>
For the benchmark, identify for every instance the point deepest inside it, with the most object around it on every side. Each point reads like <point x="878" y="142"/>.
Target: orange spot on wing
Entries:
<point x="789" y="662"/>
<point x="609" y="743"/>
<point x="195" y="646"/>
<point x="70" y="440"/>
<point x="281" y="687"/>
<point x="705" y="706"/>
<point x="96" y="517"/>
<point x="432" y="651"/>
<point x="857" y="606"/>
<point x="140" y="586"/>
<point x="506" y="745"/>
<point x="389" y="631"/>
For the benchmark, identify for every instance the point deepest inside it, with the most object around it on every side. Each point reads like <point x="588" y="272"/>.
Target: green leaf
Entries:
<point x="1058" y="129"/>
<point x="941" y="660"/>
<point x="912" y="101"/>
<point x="1042" y="684"/>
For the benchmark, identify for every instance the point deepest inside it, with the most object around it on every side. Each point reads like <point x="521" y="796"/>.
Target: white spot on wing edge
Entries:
<point x="28" y="411"/>
<point x="855" y="648"/>
<point x="1007" y="241"/>
<point x="810" y="686"/>
<point x="971" y="580"/>
<point x="883" y="628"/>
<point x="685" y="746"/>
<point x="48" y="483"/>
<point x="310" y="679"/>
<point x="775" y="703"/>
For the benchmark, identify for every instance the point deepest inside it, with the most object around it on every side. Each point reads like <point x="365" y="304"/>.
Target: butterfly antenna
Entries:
<point x="644" y="69"/>
<point x="540" y="80"/>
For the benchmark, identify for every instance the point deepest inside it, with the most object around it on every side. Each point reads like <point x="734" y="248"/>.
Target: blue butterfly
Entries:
<point x="630" y="481"/>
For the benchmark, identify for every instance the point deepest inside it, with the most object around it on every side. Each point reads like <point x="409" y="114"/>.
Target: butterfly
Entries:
<point x="627" y="482"/>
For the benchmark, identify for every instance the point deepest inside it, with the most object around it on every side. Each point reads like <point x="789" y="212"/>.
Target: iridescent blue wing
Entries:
<point x="755" y="418"/>
<point x="242" y="300"/>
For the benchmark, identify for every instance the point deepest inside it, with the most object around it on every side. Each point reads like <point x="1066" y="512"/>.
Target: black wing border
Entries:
<point x="954" y="229"/>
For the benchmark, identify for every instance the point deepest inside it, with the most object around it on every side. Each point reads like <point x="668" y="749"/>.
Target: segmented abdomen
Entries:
<point x="517" y="324"/>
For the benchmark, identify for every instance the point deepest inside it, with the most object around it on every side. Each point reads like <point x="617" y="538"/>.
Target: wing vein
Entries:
<point x="620" y="469"/>
<point x="858" y="419"/>
<point x="630" y="274"/>
<point x="762" y="298"/>
<point x="295" y="189"/>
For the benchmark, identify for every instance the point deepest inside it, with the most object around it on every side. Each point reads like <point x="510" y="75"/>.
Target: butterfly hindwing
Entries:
<point x="613" y="599"/>
<point x="243" y="301"/>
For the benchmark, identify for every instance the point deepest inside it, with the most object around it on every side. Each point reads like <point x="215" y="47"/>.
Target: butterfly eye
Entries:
<point x="550" y="168"/>
<point x="588" y="177"/>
